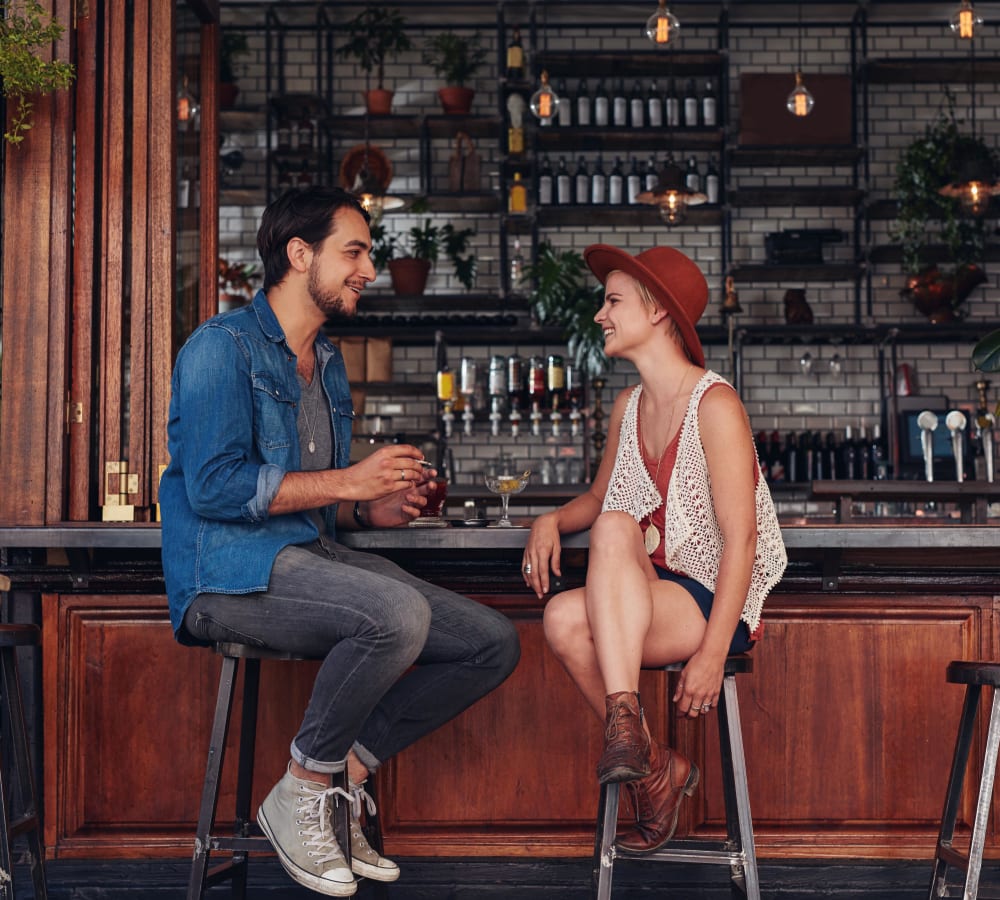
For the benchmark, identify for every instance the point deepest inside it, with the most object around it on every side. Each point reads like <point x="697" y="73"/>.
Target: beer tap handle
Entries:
<point x="956" y="423"/>
<point x="927" y="422"/>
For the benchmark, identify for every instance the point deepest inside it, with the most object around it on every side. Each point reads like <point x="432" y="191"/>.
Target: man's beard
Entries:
<point x="329" y="302"/>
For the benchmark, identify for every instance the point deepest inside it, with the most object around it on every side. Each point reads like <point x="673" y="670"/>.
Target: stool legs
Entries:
<point x="738" y="852"/>
<point x="24" y="785"/>
<point x="945" y="855"/>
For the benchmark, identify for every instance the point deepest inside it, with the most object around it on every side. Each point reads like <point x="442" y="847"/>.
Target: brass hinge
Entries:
<point x="74" y="413"/>
<point x="119" y="484"/>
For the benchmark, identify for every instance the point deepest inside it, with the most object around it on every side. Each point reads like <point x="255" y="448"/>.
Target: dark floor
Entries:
<point x="486" y="879"/>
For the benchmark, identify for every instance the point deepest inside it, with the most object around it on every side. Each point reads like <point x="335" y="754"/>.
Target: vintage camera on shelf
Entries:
<point x="799" y="247"/>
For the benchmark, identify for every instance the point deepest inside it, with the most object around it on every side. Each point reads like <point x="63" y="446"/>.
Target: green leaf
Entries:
<point x="986" y="354"/>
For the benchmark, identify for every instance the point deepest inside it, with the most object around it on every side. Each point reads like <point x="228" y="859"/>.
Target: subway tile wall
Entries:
<point x="777" y="393"/>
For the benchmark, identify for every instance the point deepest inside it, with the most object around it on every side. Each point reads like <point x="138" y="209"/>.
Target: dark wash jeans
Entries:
<point x="370" y="621"/>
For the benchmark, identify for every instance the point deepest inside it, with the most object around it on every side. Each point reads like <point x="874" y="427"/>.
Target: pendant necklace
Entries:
<point x="651" y="536"/>
<point x="311" y="446"/>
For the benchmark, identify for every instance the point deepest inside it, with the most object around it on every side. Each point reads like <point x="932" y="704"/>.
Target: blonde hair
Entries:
<point x="650" y="301"/>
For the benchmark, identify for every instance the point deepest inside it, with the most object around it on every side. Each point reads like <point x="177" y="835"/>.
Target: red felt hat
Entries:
<point x="673" y="278"/>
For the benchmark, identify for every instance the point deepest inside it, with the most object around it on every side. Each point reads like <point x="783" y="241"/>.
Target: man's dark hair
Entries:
<point x="305" y="213"/>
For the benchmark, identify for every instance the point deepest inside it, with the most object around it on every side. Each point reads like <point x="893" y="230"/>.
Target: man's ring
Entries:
<point x="706" y="707"/>
<point x="527" y="568"/>
<point x="402" y="475"/>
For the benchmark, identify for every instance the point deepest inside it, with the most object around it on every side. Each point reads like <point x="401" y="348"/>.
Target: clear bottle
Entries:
<point x="692" y="177"/>
<point x="690" y="105"/>
<point x="598" y="184"/>
<point x="793" y="463"/>
<point x="650" y="176"/>
<point x="712" y="181"/>
<point x="633" y="184"/>
<point x="545" y="183"/>
<point x="564" y="189"/>
<point x="516" y="269"/>
<point x="654" y="107"/>
<point x="564" y="115"/>
<point x="581" y="182"/>
<point x="709" y="106"/>
<point x="849" y="456"/>
<point x="616" y="183"/>
<point x="776" y="459"/>
<point x="878" y="455"/>
<point x="601" y="105"/>
<point x="672" y="107"/>
<point x="637" y="106"/>
<point x="582" y="103"/>
<point x="619" y="106"/>
<point x="864" y="460"/>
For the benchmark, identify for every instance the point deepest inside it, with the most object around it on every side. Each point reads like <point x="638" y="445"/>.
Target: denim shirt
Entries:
<point x="232" y="436"/>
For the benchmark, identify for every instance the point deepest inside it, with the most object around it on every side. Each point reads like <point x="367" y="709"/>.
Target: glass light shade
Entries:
<point x="975" y="181"/>
<point x="544" y="103"/>
<point x="662" y="26"/>
<point x="964" y="20"/>
<point x="671" y="195"/>
<point x="673" y="209"/>
<point x="187" y="106"/>
<point x="800" y="102"/>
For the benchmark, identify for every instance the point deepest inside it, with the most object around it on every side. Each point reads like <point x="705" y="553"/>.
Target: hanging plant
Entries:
<point x="25" y="29"/>
<point x="564" y="297"/>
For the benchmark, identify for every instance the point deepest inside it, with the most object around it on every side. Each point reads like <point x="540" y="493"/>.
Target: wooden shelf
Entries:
<point x="936" y="253"/>
<point x="744" y="156"/>
<point x="844" y="195"/>
<point x="630" y="64"/>
<point x="626" y="214"/>
<point x="575" y="139"/>
<point x="933" y="70"/>
<point x="826" y="272"/>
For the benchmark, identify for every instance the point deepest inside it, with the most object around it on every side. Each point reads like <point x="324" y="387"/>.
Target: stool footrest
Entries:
<point x="689" y="852"/>
<point x="953" y="857"/>
<point x="251" y="844"/>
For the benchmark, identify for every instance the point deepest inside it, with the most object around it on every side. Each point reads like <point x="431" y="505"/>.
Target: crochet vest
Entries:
<point x="692" y="540"/>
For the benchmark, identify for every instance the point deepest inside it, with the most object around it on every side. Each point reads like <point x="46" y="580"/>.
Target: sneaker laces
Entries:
<point x="359" y="843"/>
<point x="358" y="797"/>
<point x="318" y="834"/>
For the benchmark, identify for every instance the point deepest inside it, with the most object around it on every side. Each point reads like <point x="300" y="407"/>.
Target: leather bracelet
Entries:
<point x="357" y="515"/>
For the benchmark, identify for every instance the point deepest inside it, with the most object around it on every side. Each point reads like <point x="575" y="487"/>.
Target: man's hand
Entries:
<point x="401" y="507"/>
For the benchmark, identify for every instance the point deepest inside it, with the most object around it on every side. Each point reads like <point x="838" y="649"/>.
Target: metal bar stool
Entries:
<point x="974" y="675"/>
<point x="737" y="851"/>
<point x="246" y="836"/>
<point x="26" y="822"/>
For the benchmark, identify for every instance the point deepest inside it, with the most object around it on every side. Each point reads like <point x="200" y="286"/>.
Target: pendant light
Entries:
<point x="368" y="184"/>
<point x="662" y="26"/>
<point x="671" y="194"/>
<point x="544" y="103"/>
<point x="964" y="20"/>
<point x="974" y="181"/>
<point x="800" y="102"/>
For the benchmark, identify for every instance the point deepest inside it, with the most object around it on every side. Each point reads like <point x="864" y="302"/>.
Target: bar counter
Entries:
<point x="848" y="722"/>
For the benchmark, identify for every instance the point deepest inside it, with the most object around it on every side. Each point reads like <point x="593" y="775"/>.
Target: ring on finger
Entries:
<point x="527" y="569"/>
<point x="705" y="707"/>
<point x="402" y="475"/>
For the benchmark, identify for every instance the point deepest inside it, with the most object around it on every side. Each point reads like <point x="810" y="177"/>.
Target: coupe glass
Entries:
<point x="505" y="485"/>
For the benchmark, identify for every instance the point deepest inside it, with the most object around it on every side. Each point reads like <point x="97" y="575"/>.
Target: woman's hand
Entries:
<point x="541" y="554"/>
<point x="699" y="684"/>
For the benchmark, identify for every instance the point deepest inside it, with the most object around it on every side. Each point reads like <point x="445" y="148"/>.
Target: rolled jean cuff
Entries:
<point x="368" y="760"/>
<point x="315" y="765"/>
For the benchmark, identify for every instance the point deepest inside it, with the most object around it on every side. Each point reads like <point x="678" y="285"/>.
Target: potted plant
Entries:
<point x="455" y="59"/>
<point x="925" y="217"/>
<point x="234" y="44"/>
<point x="409" y="257"/>
<point x="373" y="34"/>
<point x="235" y="283"/>
<point x="23" y="32"/>
<point x="564" y="296"/>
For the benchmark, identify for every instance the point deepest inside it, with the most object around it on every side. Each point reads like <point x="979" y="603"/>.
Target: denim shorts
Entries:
<point x="741" y="642"/>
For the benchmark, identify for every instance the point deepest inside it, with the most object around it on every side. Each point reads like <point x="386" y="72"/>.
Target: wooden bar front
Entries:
<point x="848" y="722"/>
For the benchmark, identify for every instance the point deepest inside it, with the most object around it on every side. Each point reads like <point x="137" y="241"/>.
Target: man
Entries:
<point x="259" y="481"/>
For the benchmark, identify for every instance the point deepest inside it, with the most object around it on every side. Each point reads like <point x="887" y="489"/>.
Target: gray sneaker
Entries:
<point x="295" y="816"/>
<point x="364" y="860"/>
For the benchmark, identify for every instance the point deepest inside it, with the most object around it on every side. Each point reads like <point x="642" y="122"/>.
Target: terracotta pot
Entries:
<point x="228" y="92"/>
<point x="378" y="101"/>
<point x="456" y="100"/>
<point x="409" y="275"/>
<point x="937" y="295"/>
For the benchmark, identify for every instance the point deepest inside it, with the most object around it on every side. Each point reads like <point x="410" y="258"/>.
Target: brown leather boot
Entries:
<point x="626" y="744"/>
<point x="656" y="800"/>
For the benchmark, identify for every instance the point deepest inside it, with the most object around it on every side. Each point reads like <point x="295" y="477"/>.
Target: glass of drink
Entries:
<point x="505" y="484"/>
<point x="437" y="492"/>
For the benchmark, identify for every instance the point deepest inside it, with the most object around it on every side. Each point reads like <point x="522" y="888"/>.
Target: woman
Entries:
<point x="684" y="541"/>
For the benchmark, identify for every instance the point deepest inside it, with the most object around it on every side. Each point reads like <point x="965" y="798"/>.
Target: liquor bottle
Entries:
<point x="672" y="107"/>
<point x="793" y="464"/>
<point x="515" y="57"/>
<point x="712" y="181"/>
<point x="598" y="184"/>
<point x="877" y="454"/>
<point x="636" y="106"/>
<point x="849" y="456"/>
<point x="763" y="460"/>
<point x="709" y="106"/>
<point x="601" y="105"/>
<point x="863" y="463"/>
<point x="633" y="184"/>
<point x="564" y="190"/>
<point x="545" y="183"/>
<point x="306" y="133"/>
<point x="555" y="379"/>
<point x="582" y="103"/>
<point x="690" y="105"/>
<point x="564" y="115"/>
<point x="650" y="176"/>
<point x="776" y="459"/>
<point x="806" y="456"/>
<point x="831" y="458"/>
<point x="619" y="106"/>
<point x="819" y="470"/>
<point x="581" y="182"/>
<point x="692" y="178"/>
<point x="654" y="107"/>
<point x="517" y="268"/>
<point x="616" y="183"/>
<point x="517" y="201"/>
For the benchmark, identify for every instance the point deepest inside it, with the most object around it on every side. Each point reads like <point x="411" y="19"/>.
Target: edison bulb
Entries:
<point x="964" y="20"/>
<point x="800" y="102"/>
<point x="662" y="26"/>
